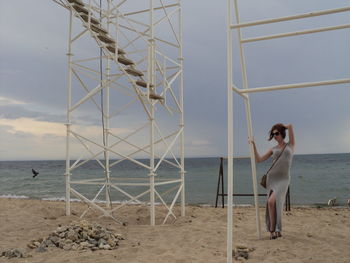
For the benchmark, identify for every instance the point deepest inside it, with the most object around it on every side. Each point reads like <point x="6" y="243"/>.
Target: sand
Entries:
<point x="310" y="234"/>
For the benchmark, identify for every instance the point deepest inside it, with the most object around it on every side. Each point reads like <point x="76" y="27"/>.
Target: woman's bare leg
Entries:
<point x="271" y="202"/>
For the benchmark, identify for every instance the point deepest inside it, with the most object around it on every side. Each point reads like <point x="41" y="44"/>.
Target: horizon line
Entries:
<point x="192" y="157"/>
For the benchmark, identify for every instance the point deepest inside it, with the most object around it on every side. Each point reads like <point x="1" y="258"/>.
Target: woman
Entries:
<point x="278" y="177"/>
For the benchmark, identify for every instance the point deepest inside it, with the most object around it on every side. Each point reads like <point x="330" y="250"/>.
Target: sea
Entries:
<point x="315" y="179"/>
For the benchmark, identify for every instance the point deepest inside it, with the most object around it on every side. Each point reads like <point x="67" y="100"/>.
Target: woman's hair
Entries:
<point x="279" y="127"/>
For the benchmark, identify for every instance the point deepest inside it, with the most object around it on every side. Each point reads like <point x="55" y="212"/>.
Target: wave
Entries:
<point x="14" y="196"/>
<point x="63" y="199"/>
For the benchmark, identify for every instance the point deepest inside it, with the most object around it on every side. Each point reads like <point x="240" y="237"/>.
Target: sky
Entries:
<point x="33" y="78"/>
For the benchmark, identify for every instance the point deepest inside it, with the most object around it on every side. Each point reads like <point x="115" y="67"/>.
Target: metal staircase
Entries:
<point x="108" y="44"/>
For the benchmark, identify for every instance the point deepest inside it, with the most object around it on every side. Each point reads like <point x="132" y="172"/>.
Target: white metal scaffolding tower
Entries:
<point x="125" y="105"/>
<point x="233" y="23"/>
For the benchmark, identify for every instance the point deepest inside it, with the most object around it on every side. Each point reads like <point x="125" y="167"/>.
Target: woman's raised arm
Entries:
<point x="291" y="135"/>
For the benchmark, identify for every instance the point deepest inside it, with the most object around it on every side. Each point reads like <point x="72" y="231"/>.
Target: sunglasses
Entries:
<point x="275" y="133"/>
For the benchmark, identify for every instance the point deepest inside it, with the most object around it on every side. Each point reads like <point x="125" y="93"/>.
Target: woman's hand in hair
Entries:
<point x="288" y="126"/>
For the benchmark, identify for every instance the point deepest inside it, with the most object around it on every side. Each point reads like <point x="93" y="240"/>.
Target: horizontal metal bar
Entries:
<point x="287" y="18"/>
<point x="169" y="182"/>
<point x="103" y="183"/>
<point x="92" y="180"/>
<point x="147" y="10"/>
<point x="87" y="182"/>
<point x="243" y="194"/>
<point x="237" y="157"/>
<point x="299" y="85"/>
<point x="144" y="34"/>
<point x="296" y="33"/>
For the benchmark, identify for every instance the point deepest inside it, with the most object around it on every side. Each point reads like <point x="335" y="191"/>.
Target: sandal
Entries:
<point x="273" y="235"/>
<point x="278" y="234"/>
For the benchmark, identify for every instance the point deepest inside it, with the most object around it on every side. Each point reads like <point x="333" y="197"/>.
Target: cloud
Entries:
<point x="43" y="128"/>
<point x="9" y="101"/>
<point x="33" y="139"/>
<point x="33" y="127"/>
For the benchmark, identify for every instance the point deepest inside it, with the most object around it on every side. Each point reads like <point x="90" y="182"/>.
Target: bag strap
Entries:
<point x="277" y="159"/>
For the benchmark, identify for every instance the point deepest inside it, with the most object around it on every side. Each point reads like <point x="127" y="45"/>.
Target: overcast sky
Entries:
<point x="33" y="77"/>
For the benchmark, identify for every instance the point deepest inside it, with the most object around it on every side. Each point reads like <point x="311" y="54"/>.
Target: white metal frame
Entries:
<point x="137" y="31"/>
<point x="232" y="5"/>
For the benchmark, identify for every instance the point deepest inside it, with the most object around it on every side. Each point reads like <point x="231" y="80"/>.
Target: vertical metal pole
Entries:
<point x="249" y="123"/>
<point x="152" y="80"/>
<point x="68" y="124"/>
<point x="229" y="134"/>
<point x="182" y="122"/>
<point x="106" y="130"/>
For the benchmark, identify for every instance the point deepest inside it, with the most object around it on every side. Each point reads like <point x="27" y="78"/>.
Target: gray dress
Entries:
<point x="278" y="181"/>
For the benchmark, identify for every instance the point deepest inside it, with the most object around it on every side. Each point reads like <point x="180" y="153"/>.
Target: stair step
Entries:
<point x="143" y="84"/>
<point x="79" y="2"/>
<point x="134" y="72"/>
<point x="105" y="38"/>
<point x="80" y="9"/>
<point x="92" y="19"/>
<point x="98" y="29"/>
<point x="125" y="61"/>
<point x="111" y="48"/>
<point x="154" y="96"/>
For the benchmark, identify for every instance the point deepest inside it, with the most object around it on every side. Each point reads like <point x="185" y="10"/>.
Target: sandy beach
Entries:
<point x="310" y="234"/>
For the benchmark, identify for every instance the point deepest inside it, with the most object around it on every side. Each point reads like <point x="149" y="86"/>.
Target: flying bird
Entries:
<point x="35" y="173"/>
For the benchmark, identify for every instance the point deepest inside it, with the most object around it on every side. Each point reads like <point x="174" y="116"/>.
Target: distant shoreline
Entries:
<point x="200" y="157"/>
<point x="62" y="199"/>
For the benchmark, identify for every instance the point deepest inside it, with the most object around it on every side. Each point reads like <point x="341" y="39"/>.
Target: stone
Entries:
<point x="31" y="245"/>
<point x="61" y="243"/>
<point x="41" y="249"/>
<point x="101" y="242"/>
<point x="67" y="241"/>
<point x="13" y="253"/>
<point x="72" y="235"/>
<point x="111" y="242"/>
<point x="241" y="251"/>
<point x="54" y="239"/>
<point x="92" y="241"/>
<point x="243" y="254"/>
<point x="67" y="247"/>
<point x="84" y="244"/>
<point x="36" y="243"/>
<point x="61" y="229"/>
<point x="75" y="247"/>
<point x="241" y="247"/>
<point x="47" y="243"/>
<point x="106" y="247"/>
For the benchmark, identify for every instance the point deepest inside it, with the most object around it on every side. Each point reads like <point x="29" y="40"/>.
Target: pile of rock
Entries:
<point x="14" y="253"/>
<point x="78" y="236"/>
<point x="241" y="252"/>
